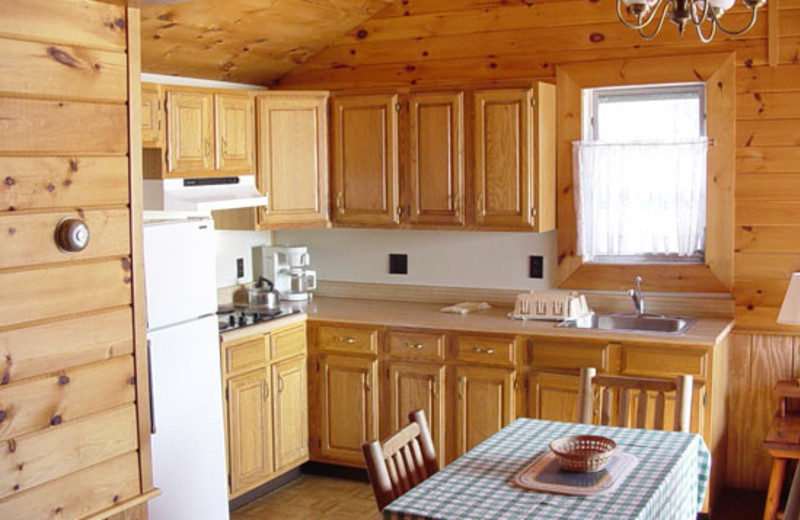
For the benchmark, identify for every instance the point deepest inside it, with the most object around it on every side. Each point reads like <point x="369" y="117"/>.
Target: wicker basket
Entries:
<point x="583" y="453"/>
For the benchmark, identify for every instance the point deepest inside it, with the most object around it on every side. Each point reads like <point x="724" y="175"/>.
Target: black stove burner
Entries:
<point x="236" y="319"/>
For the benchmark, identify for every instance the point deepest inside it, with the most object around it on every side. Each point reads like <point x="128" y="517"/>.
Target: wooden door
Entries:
<point x="485" y="403"/>
<point x="365" y="172"/>
<point x="250" y="457"/>
<point x="235" y="133"/>
<point x="553" y="396"/>
<point x="190" y="132"/>
<point x="293" y="157"/>
<point x="74" y="425"/>
<point x="152" y="116"/>
<point x="436" y="158"/>
<point x="348" y="405"/>
<point x="290" y="413"/>
<point x="503" y="148"/>
<point x="414" y="386"/>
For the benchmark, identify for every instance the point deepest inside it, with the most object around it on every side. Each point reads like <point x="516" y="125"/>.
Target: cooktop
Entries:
<point x="231" y="318"/>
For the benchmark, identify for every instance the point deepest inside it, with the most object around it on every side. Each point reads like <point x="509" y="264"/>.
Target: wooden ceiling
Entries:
<point x="245" y="41"/>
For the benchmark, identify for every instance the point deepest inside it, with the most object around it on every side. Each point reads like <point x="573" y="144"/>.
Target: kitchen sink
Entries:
<point x="632" y="323"/>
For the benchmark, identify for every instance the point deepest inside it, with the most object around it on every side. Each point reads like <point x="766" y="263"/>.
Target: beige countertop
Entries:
<point x="707" y="331"/>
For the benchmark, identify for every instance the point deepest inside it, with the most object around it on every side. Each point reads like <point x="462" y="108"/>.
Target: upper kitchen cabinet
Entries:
<point x="435" y="190"/>
<point x="234" y="121"/>
<point x="190" y="133"/>
<point x="209" y="133"/>
<point x="365" y="161"/>
<point x="514" y="174"/>
<point x="152" y="116"/>
<point x="293" y="158"/>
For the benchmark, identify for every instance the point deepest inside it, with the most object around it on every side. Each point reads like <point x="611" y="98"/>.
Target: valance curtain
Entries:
<point x="640" y="198"/>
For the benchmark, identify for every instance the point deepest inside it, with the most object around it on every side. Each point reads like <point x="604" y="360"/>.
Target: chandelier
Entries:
<point x="641" y="13"/>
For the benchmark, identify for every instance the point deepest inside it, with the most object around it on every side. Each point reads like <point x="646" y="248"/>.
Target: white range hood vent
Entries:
<point x="202" y="195"/>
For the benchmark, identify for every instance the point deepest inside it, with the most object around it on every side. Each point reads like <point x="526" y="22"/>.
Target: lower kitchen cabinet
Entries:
<point x="553" y="396"/>
<point x="265" y="381"/>
<point x="414" y="386"/>
<point x="249" y="431"/>
<point x="290" y="412"/>
<point x="485" y="403"/>
<point x="348" y="400"/>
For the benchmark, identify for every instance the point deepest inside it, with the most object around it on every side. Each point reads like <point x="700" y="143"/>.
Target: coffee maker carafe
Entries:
<point x="287" y="267"/>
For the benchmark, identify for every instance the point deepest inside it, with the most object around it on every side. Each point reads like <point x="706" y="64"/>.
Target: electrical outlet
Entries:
<point x="535" y="267"/>
<point x="240" y="268"/>
<point x="398" y="263"/>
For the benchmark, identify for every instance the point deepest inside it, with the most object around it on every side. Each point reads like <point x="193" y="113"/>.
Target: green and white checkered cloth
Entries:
<point x="669" y="482"/>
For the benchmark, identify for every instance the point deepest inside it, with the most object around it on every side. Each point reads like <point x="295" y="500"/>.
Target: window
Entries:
<point x="640" y="175"/>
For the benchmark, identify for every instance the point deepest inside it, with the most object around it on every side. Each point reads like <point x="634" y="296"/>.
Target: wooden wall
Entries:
<point x="426" y="43"/>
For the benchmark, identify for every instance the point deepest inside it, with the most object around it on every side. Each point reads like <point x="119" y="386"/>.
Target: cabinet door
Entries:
<point x="365" y="178"/>
<point x="485" y="403"/>
<point x="503" y="149"/>
<point x="436" y="155"/>
<point x="418" y="386"/>
<point x="249" y="430"/>
<point x="349" y="406"/>
<point x="293" y="158"/>
<point x="235" y="133"/>
<point x="553" y="396"/>
<point x="151" y="116"/>
<point x="190" y="132"/>
<point x="290" y="413"/>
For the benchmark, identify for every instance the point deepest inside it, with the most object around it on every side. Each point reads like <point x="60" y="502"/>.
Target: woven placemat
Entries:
<point x="545" y="474"/>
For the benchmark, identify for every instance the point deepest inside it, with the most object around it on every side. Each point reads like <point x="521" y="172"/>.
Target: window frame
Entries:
<point x="717" y="71"/>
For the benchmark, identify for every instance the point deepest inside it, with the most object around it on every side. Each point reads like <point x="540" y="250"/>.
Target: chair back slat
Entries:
<point x="641" y="409"/>
<point x="402" y="461"/>
<point x="621" y="388"/>
<point x="659" y="411"/>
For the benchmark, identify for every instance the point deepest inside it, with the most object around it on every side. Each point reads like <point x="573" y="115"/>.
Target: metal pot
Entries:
<point x="262" y="295"/>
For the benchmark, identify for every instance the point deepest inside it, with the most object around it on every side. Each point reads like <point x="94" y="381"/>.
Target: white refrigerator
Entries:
<point x="188" y="443"/>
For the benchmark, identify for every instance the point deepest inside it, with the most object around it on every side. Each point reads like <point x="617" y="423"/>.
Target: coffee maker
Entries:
<point x="286" y="266"/>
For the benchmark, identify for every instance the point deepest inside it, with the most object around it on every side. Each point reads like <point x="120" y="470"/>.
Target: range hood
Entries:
<point x="202" y="195"/>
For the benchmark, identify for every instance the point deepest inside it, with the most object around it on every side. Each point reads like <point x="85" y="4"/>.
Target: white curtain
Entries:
<point x="638" y="198"/>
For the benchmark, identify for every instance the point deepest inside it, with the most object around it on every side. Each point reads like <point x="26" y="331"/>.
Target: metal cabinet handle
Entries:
<point x="349" y="341"/>
<point x="340" y="203"/>
<point x="462" y="382"/>
<point x="436" y="387"/>
<point x="263" y="390"/>
<point x="280" y="384"/>
<point x="480" y="350"/>
<point x="480" y="204"/>
<point x="367" y="384"/>
<point x="417" y="346"/>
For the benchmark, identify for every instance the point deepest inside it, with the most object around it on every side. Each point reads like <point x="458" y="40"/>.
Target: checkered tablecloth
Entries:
<point x="669" y="482"/>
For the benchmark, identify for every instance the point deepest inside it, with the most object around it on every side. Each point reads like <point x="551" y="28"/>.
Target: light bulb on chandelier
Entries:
<point x="681" y="12"/>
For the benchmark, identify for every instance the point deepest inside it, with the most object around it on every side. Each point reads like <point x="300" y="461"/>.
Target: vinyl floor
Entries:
<point x="313" y="497"/>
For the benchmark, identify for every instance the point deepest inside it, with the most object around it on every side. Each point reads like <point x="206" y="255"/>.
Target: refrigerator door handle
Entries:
<point x="150" y="393"/>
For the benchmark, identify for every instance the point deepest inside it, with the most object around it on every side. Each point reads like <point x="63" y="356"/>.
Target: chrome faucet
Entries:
<point x="636" y="294"/>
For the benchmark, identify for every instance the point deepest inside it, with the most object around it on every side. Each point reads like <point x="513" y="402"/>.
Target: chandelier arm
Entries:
<point x="639" y="25"/>
<point x="695" y="20"/>
<point x="703" y="38"/>
<point x="655" y="32"/>
<point x="749" y="26"/>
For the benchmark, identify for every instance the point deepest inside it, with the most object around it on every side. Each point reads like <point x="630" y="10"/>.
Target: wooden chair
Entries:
<point x="625" y="386"/>
<point x="402" y="461"/>
<point x="783" y="444"/>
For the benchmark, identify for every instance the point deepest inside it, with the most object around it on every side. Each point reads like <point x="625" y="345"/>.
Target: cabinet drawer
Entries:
<point x="569" y="355"/>
<point x="246" y="355"/>
<point x="485" y="349"/>
<point x="285" y="343"/>
<point x="348" y="339"/>
<point x="416" y="345"/>
<point x="663" y="362"/>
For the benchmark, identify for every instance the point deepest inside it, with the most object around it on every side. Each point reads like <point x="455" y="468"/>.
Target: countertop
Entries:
<point x="707" y="331"/>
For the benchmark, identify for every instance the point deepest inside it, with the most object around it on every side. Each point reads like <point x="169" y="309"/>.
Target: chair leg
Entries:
<point x="775" y="486"/>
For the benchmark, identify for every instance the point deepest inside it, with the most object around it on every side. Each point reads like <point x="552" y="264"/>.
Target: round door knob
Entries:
<point x="72" y="235"/>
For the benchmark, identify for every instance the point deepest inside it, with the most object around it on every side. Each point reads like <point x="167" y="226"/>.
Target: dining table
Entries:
<point x="668" y="481"/>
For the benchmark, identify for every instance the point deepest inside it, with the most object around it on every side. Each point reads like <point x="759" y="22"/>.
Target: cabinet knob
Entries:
<point x="349" y="341"/>
<point x="417" y="346"/>
<point x="480" y="350"/>
<point x="72" y="235"/>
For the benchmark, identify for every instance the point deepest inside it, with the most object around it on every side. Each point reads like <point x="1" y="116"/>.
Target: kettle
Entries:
<point x="262" y="295"/>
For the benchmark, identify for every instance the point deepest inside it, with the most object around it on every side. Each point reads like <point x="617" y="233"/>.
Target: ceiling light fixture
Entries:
<point x="681" y="12"/>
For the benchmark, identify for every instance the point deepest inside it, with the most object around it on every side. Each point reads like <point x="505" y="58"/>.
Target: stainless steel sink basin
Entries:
<point x="633" y="323"/>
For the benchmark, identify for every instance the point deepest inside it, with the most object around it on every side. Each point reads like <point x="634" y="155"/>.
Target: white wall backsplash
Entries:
<point x="237" y="244"/>
<point x="471" y="259"/>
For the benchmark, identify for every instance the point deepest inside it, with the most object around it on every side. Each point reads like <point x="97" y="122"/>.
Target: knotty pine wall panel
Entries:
<point x="420" y="44"/>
